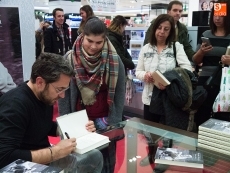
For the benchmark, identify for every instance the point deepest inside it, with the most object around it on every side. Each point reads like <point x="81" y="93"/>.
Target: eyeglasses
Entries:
<point x="59" y="91"/>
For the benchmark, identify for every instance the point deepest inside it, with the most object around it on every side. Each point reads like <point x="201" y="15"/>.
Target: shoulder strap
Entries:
<point x="174" y="53"/>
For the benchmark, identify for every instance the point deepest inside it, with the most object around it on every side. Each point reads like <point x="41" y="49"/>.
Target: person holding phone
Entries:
<point x="211" y="55"/>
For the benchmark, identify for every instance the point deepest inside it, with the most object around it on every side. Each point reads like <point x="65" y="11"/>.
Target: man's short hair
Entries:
<point x="50" y="66"/>
<point x="55" y="10"/>
<point x="174" y="3"/>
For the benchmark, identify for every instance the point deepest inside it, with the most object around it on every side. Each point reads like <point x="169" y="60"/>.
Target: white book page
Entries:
<point x="90" y="139"/>
<point x="74" y="124"/>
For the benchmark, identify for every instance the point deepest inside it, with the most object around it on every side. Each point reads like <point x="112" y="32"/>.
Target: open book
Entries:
<point x="74" y="125"/>
<point x="159" y="79"/>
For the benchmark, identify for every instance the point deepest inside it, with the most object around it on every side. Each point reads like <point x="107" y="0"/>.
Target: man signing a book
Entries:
<point x="26" y="114"/>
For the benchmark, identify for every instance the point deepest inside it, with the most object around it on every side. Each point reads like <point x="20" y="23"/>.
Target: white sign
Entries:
<point x="103" y="5"/>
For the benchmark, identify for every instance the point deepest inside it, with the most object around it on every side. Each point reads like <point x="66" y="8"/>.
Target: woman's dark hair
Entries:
<point x="116" y="23"/>
<point x="226" y="19"/>
<point x="50" y="66"/>
<point x="94" y="26"/>
<point x="89" y="13"/>
<point x="160" y="19"/>
<point x="201" y="6"/>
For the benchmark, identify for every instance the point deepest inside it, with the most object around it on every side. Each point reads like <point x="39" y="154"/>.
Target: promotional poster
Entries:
<point x="206" y="5"/>
<point x="10" y="42"/>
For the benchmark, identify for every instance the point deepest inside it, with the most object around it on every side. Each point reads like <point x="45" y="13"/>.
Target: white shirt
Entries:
<point x="149" y="61"/>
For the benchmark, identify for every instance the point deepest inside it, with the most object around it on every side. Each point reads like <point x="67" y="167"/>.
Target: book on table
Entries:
<point x="159" y="78"/>
<point x="218" y="127"/>
<point x="212" y="136"/>
<point x="74" y="125"/>
<point x="179" y="157"/>
<point x="27" y="166"/>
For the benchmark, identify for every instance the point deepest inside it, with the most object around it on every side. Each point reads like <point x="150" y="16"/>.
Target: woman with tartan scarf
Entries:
<point x="99" y="82"/>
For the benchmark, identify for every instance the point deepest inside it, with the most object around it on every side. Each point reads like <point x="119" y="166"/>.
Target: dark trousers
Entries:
<point x="150" y="116"/>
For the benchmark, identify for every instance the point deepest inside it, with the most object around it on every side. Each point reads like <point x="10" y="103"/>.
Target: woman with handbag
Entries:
<point x="211" y="55"/>
<point x="158" y="54"/>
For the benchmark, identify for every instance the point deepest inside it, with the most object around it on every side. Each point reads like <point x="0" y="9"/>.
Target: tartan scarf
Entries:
<point x="90" y="71"/>
<point x="61" y="34"/>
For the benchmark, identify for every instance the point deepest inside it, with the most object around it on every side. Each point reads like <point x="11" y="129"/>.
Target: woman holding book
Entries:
<point x="211" y="55"/>
<point x="158" y="54"/>
<point x="99" y="83"/>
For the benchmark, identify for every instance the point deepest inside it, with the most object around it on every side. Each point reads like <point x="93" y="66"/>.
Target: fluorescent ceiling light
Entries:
<point x="41" y="8"/>
<point x="122" y="11"/>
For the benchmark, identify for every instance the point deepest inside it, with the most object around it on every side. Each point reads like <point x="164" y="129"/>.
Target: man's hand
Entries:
<point x="64" y="148"/>
<point x="90" y="126"/>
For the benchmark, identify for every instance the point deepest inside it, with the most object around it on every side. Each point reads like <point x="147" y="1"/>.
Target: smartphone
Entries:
<point x="227" y="51"/>
<point x="206" y="41"/>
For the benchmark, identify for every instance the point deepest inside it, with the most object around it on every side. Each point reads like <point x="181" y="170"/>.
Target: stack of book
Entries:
<point x="214" y="135"/>
<point x="179" y="160"/>
<point x="215" y="162"/>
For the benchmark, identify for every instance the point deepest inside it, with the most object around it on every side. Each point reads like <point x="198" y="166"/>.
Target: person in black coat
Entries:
<point x="56" y="38"/>
<point x="115" y="34"/>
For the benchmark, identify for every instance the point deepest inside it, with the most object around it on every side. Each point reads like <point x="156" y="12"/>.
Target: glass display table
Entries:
<point x="134" y="139"/>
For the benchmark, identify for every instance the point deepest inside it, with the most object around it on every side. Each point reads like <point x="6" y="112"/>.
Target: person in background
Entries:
<point x="204" y="6"/>
<point x="26" y="120"/>
<point x="39" y="34"/>
<point x="115" y="35"/>
<point x="219" y="36"/>
<point x="6" y="81"/>
<point x="211" y="3"/>
<point x="85" y="11"/>
<point x="158" y="54"/>
<point x="175" y="9"/>
<point x="99" y="82"/>
<point x="56" y="37"/>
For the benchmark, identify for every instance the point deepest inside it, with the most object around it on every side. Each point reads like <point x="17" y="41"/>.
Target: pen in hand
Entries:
<point x="67" y="135"/>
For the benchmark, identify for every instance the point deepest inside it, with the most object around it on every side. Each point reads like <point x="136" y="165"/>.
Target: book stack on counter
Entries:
<point x="178" y="160"/>
<point x="215" y="162"/>
<point x="214" y="135"/>
<point x="214" y="143"/>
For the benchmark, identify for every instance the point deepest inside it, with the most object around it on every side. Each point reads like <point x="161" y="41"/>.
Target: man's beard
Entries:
<point x="43" y="96"/>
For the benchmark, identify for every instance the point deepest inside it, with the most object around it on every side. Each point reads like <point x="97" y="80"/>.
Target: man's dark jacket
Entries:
<point x="117" y="42"/>
<point x="53" y="42"/>
<point x="182" y="38"/>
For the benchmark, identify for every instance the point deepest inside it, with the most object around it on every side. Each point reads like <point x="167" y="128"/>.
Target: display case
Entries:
<point x="134" y="39"/>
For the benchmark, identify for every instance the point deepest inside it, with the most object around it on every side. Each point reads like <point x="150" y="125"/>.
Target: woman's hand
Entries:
<point x="90" y="126"/>
<point x="225" y="59"/>
<point x="161" y="87"/>
<point x="148" y="77"/>
<point x="204" y="49"/>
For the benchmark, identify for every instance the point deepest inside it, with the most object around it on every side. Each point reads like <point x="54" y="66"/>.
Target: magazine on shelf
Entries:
<point x="26" y="166"/>
<point x="217" y="127"/>
<point x="179" y="157"/>
<point x="159" y="78"/>
<point x="74" y="125"/>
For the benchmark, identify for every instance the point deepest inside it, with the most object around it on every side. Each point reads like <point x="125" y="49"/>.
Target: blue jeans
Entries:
<point x="90" y="162"/>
